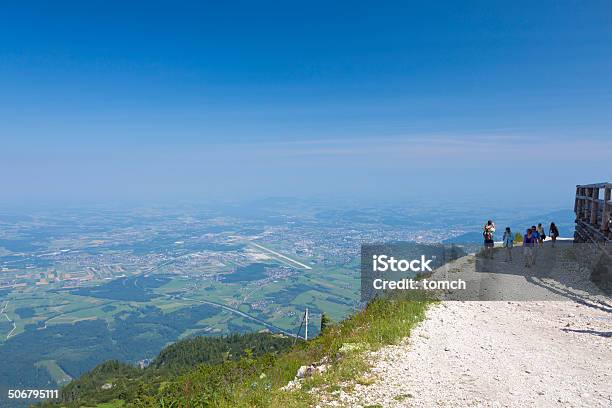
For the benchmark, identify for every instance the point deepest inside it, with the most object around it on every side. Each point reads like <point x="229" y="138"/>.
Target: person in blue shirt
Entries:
<point x="508" y="242"/>
<point x="536" y="236"/>
<point x="535" y="233"/>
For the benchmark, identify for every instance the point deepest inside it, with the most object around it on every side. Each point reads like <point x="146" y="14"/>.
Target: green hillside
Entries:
<point x="247" y="370"/>
<point x="113" y="381"/>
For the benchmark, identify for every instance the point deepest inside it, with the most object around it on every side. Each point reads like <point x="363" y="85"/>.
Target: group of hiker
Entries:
<point x="532" y="239"/>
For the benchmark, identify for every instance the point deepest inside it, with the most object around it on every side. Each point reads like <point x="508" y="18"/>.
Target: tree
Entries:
<point x="324" y="321"/>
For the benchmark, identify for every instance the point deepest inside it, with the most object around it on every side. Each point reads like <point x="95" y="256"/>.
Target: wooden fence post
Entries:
<point x="594" y="205"/>
<point x="605" y="216"/>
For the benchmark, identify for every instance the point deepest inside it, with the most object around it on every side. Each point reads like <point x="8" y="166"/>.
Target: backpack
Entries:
<point x="488" y="231"/>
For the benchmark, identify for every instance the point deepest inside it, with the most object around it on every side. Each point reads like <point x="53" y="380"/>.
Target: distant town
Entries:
<point x="78" y="287"/>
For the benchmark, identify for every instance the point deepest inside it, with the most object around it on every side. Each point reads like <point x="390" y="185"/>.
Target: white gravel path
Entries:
<point x="498" y="354"/>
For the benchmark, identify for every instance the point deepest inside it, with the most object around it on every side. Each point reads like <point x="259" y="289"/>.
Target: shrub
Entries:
<point x="518" y="238"/>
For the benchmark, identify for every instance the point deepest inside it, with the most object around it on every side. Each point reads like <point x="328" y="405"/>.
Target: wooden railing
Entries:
<point x="592" y="208"/>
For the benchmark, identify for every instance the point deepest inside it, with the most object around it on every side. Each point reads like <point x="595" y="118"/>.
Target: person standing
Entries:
<point x="529" y="241"/>
<point x="536" y="238"/>
<point x="541" y="234"/>
<point x="553" y="231"/>
<point x="508" y="244"/>
<point x="488" y="231"/>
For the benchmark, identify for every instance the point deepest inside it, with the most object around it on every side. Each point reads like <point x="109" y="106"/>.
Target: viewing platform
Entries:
<point x="592" y="208"/>
<point x="594" y="226"/>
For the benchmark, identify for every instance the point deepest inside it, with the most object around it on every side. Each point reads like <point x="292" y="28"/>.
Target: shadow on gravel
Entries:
<point x="569" y="295"/>
<point x="593" y="332"/>
<point x="559" y="273"/>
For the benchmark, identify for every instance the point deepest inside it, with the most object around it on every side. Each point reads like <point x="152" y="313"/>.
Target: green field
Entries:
<point x="55" y="371"/>
<point x="328" y="290"/>
<point x="133" y="318"/>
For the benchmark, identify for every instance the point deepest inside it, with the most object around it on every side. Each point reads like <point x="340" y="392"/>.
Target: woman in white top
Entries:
<point x="542" y="235"/>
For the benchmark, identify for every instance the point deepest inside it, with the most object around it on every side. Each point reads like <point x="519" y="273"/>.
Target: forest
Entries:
<point x="113" y="380"/>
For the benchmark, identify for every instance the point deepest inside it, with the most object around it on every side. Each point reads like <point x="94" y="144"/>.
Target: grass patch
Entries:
<point x="259" y="382"/>
<point x="401" y="397"/>
<point x="365" y="380"/>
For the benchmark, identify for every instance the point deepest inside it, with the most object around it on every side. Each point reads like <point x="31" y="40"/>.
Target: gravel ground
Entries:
<point x="498" y="354"/>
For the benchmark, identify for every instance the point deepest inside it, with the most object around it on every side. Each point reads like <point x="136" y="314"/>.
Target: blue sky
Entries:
<point x="101" y="101"/>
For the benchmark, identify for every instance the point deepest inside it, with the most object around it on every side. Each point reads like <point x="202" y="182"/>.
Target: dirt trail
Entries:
<point x="501" y="353"/>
